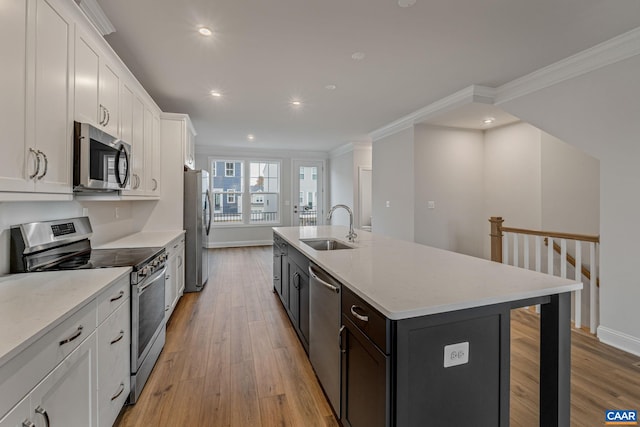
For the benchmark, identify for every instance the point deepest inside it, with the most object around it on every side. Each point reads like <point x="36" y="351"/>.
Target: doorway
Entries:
<point x="308" y="192"/>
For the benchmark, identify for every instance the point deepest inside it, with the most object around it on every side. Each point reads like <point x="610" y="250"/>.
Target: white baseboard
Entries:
<point x="212" y="245"/>
<point x="619" y="340"/>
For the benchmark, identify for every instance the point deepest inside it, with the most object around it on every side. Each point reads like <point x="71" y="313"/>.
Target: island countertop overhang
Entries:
<point x="403" y="279"/>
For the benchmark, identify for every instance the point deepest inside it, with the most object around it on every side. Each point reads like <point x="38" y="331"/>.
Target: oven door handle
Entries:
<point x="152" y="279"/>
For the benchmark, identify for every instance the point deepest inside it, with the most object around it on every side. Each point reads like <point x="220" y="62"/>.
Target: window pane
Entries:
<point x="264" y="181"/>
<point x="227" y="191"/>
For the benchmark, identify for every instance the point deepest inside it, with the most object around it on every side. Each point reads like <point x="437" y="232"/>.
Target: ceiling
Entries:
<point x="264" y="54"/>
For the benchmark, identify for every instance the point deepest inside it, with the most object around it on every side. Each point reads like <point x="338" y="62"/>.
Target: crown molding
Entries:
<point x="348" y="148"/>
<point x="474" y="93"/>
<point x="609" y="52"/>
<point x="97" y="16"/>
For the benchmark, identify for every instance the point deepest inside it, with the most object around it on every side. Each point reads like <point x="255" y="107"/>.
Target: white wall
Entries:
<point x="599" y="112"/>
<point x="449" y="172"/>
<point x="570" y="188"/>
<point x="512" y="178"/>
<point x="393" y="181"/>
<point x="341" y="186"/>
<point x="344" y="167"/>
<point x="229" y="235"/>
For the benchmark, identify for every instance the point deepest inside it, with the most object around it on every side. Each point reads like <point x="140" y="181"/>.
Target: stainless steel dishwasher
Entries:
<point x="324" y="330"/>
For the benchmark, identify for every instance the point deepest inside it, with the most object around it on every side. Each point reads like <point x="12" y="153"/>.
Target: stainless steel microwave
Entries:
<point x="100" y="161"/>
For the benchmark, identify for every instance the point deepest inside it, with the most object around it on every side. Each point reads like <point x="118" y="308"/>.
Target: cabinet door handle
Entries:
<point x="72" y="337"/>
<point x="28" y="423"/>
<point x="46" y="165"/>
<point x="108" y="116"/>
<point x="296" y="280"/>
<point x="115" y="396"/>
<point x="103" y="114"/>
<point x="118" y="338"/>
<point x="40" y="410"/>
<point x="179" y="261"/>
<point x="342" y="328"/>
<point x="36" y="164"/>
<point x="120" y="295"/>
<point x="362" y="317"/>
<point x="155" y="184"/>
<point x="167" y="308"/>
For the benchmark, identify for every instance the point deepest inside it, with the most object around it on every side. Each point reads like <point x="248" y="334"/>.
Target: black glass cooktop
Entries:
<point x="105" y="258"/>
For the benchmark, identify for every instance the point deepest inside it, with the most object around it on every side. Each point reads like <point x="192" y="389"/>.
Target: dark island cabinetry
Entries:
<point x="291" y="283"/>
<point x="366" y="368"/>
<point x="422" y="363"/>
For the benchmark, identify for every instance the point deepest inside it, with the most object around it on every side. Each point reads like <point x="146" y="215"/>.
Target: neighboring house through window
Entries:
<point x="231" y="197"/>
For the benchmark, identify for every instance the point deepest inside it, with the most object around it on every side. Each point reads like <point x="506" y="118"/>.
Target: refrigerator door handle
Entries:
<point x="208" y="203"/>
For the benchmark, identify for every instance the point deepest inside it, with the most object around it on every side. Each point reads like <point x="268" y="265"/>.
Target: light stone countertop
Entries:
<point x="143" y="239"/>
<point x="402" y="279"/>
<point x="32" y="304"/>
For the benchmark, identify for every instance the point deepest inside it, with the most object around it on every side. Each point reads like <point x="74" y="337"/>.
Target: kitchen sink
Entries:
<point x="325" y="244"/>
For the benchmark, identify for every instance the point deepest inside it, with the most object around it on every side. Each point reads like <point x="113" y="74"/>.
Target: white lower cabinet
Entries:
<point x="19" y="416"/>
<point x="65" y="397"/>
<point x="113" y="364"/>
<point x="77" y="374"/>
<point x="174" y="278"/>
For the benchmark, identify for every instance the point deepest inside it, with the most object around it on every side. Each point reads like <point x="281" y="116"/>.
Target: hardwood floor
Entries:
<point x="232" y="359"/>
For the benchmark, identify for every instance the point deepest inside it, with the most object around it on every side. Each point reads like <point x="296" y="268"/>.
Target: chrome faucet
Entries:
<point x="352" y="235"/>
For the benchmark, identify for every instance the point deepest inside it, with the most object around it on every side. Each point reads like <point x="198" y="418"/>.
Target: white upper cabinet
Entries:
<point x="87" y="66"/>
<point x="109" y="99"/>
<point x="35" y="106"/>
<point x="97" y="86"/>
<point x="52" y="107"/>
<point x="13" y="43"/>
<point x="190" y="145"/>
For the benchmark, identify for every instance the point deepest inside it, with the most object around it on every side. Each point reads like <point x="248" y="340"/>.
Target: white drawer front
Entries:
<point x="23" y="372"/>
<point x="113" y="297"/>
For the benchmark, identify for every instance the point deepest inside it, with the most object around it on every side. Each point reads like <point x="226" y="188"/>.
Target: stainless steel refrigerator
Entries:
<point x="197" y="223"/>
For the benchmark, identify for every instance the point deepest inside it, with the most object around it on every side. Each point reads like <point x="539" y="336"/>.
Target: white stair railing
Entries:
<point x="564" y="258"/>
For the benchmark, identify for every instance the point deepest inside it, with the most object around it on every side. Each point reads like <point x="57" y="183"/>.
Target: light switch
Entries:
<point x="431" y="204"/>
<point x="456" y="354"/>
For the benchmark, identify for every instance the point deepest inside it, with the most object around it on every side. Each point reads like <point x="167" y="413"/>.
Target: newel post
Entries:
<point x="496" y="238"/>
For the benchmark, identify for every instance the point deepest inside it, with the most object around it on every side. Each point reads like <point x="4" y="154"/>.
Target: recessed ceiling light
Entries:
<point x="251" y="137"/>
<point x="205" y="31"/>
<point x="330" y="87"/>
<point x="489" y="120"/>
<point x="358" y="56"/>
<point x="216" y="94"/>
<point x="406" y="3"/>
<point x="296" y="103"/>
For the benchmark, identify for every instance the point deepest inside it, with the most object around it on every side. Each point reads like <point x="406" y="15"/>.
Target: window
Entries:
<point x="231" y="197"/>
<point x="302" y="198"/>
<point x="228" y="191"/>
<point x="229" y="169"/>
<point x="264" y="187"/>
<point x="314" y="175"/>
<point x="301" y="173"/>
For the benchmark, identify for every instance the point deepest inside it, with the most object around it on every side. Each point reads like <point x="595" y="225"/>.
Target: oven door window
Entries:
<point x="150" y="312"/>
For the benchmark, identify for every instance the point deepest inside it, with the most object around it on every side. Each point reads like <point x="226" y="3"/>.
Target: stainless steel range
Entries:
<point x="65" y="245"/>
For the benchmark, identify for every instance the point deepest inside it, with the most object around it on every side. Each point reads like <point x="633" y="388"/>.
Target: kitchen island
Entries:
<point x="441" y="349"/>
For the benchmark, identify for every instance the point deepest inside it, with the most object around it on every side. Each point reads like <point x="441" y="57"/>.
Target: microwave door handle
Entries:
<point x="122" y="182"/>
